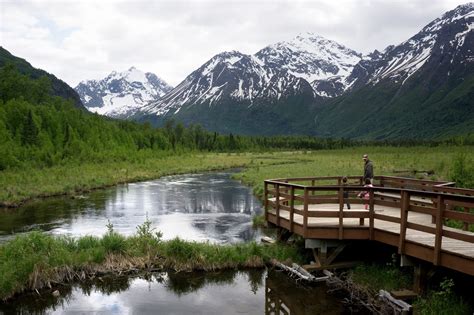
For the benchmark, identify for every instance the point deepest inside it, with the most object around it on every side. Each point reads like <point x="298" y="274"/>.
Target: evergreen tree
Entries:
<point x="29" y="135"/>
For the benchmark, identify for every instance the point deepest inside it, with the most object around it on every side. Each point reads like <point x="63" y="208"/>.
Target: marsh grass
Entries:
<point x="442" y="301"/>
<point x="258" y="221"/>
<point x="346" y="162"/>
<point x="447" y="162"/>
<point x="36" y="260"/>
<point x="375" y="277"/>
<point x="19" y="185"/>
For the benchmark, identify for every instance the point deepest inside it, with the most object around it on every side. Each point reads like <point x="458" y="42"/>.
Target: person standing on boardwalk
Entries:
<point x="368" y="169"/>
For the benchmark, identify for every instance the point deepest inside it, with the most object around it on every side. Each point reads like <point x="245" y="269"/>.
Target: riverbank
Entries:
<point x="37" y="260"/>
<point x="21" y="185"/>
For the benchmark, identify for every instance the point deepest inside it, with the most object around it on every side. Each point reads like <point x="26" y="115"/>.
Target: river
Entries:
<point x="201" y="207"/>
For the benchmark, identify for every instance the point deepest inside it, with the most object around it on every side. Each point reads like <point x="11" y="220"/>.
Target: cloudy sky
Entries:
<point x="87" y="39"/>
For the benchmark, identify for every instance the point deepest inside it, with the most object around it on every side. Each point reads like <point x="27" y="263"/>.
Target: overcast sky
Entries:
<point x="80" y="39"/>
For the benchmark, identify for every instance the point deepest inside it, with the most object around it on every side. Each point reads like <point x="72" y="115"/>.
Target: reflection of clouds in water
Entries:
<point x="96" y="302"/>
<point x="145" y="297"/>
<point x="207" y="206"/>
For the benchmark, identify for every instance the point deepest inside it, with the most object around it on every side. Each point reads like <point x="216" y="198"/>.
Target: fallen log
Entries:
<point x="298" y="272"/>
<point x="398" y="306"/>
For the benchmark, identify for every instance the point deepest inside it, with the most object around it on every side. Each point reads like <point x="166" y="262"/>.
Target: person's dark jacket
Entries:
<point x="368" y="170"/>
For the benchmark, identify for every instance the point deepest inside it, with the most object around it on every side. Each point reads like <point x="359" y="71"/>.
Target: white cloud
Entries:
<point x="79" y="40"/>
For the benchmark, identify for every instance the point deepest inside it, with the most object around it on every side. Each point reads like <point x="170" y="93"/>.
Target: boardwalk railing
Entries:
<point x="407" y="213"/>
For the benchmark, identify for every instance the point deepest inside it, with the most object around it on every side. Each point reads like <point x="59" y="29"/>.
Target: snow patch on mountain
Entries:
<point x="313" y="58"/>
<point x="399" y="63"/>
<point x="121" y="94"/>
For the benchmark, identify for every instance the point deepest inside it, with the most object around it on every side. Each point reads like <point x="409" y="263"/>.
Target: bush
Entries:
<point x="462" y="172"/>
<point x="442" y="302"/>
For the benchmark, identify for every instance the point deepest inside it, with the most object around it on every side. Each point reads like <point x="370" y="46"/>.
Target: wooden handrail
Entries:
<point x="437" y="201"/>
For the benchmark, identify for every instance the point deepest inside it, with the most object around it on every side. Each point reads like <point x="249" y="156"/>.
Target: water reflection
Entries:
<point x="199" y="207"/>
<point x="228" y="292"/>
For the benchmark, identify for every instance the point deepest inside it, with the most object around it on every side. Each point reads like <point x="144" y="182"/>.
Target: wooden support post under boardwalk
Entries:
<point x="439" y="230"/>
<point x="419" y="283"/>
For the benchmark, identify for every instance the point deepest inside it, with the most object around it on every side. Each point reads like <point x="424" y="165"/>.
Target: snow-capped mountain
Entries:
<point x="121" y="94"/>
<point x="231" y="76"/>
<point x="286" y="69"/>
<point x="315" y="59"/>
<point x="447" y="41"/>
<point x="423" y="87"/>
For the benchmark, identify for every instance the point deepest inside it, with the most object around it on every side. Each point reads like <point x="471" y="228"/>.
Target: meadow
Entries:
<point x="446" y="163"/>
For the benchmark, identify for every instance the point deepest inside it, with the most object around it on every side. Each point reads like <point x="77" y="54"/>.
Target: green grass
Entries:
<point x="258" y="221"/>
<point x="34" y="260"/>
<point x="376" y="277"/>
<point x="349" y="162"/>
<point x="22" y="184"/>
<point x="441" y="302"/>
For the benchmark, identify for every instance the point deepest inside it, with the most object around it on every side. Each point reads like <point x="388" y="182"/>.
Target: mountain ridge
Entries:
<point x="59" y="87"/>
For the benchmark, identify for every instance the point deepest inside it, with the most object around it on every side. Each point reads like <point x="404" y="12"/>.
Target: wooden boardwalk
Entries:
<point x="405" y="213"/>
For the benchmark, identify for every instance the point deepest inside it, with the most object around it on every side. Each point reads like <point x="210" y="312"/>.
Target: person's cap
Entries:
<point x="365" y="156"/>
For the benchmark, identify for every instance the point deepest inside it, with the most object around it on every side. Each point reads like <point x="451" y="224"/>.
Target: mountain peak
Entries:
<point x="314" y="58"/>
<point x="120" y="94"/>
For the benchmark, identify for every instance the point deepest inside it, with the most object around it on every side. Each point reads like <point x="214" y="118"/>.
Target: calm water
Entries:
<point x="229" y="292"/>
<point x="200" y="207"/>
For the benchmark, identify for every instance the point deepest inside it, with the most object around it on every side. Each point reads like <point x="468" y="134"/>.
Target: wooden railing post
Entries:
<point x="265" y="201"/>
<point x="405" y="205"/>
<point x="439" y="230"/>
<point x="277" y="204"/>
<point x="371" y="214"/>
<point x="313" y="182"/>
<point x="341" y="212"/>
<point x="292" y="204"/>
<point x="305" y="213"/>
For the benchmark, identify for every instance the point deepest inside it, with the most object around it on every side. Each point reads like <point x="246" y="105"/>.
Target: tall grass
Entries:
<point x="18" y="185"/>
<point x="35" y="260"/>
<point x="22" y="184"/>
<point x="375" y="277"/>
<point x="387" y="161"/>
<point x="442" y="302"/>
